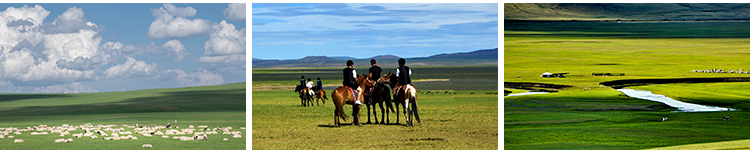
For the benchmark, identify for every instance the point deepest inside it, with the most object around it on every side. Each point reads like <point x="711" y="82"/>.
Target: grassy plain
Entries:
<point x="464" y="120"/>
<point x="592" y="116"/>
<point x="215" y="106"/>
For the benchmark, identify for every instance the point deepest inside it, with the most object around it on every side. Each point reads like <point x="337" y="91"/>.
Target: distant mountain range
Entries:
<point x="627" y="11"/>
<point x="479" y="57"/>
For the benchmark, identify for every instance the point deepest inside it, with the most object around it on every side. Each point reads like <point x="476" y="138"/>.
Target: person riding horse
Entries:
<point x="404" y="75"/>
<point x="350" y="76"/>
<point x="310" y="87"/>
<point x="318" y="85"/>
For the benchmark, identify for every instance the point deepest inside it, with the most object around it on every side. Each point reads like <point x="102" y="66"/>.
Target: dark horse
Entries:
<point x="405" y="96"/>
<point x="342" y="96"/>
<point x="304" y="95"/>
<point x="380" y="93"/>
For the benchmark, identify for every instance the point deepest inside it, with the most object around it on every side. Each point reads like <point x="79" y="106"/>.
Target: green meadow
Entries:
<point x="215" y="106"/>
<point x="464" y="118"/>
<point x="592" y="116"/>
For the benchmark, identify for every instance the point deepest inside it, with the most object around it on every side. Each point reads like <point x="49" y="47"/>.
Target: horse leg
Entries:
<point x="382" y="114"/>
<point x="408" y="113"/>
<point x="368" y="113"/>
<point x="375" y="113"/>
<point x="336" y="117"/>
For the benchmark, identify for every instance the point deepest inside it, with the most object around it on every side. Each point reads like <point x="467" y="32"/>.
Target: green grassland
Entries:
<point x="449" y="121"/>
<point x="215" y="106"/>
<point x="465" y="119"/>
<point x="592" y="116"/>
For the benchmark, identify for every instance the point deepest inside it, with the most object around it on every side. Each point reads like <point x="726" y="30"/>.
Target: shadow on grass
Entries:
<point x="183" y="101"/>
<point x="14" y="97"/>
<point x="363" y="124"/>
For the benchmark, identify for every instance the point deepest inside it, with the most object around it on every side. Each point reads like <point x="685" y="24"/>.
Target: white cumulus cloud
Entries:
<point x="131" y="68"/>
<point x="235" y="11"/>
<point x="226" y="46"/>
<point x="180" y="11"/>
<point x="202" y="77"/>
<point x="175" y="49"/>
<point x="168" y="26"/>
<point x="70" y="21"/>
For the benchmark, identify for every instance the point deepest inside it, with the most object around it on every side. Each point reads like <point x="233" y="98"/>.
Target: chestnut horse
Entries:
<point x="405" y="96"/>
<point x="342" y="96"/>
<point x="304" y="95"/>
<point x="321" y="95"/>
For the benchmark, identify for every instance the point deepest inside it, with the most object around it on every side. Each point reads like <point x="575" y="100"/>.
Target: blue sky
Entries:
<point x="293" y="31"/>
<point x="84" y="47"/>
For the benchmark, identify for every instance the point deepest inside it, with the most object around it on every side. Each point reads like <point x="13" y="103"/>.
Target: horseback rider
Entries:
<point x="318" y="85"/>
<point x="374" y="75"/>
<point x="302" y="82"/>
<point x="404" y="75"/>
<point x="350" y="78"/>
<point x="309" y="86"/>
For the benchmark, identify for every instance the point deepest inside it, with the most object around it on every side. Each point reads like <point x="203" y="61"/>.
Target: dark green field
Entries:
<point x="460" y="77"/>
<point x="215" y="106"/>
<point x="593" y="116"/>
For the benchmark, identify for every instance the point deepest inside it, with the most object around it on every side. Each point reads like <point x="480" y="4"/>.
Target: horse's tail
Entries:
<point x="415" y="109"/>
<point x="323" y="92"/>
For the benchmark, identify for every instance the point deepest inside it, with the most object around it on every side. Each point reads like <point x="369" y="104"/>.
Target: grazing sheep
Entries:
<point x="107" y="138"/>
<point x="191" y="126"/>
<point x="18" y="141"/>
<point x="147" y="146"/>
<point x="203" y="126"/>
<point x="243" y="128"/>
<point x="225" y="139"/>
<point x="11" y="137"/>
<point x="93" y="137"/>
<point x="146" y="135"/>
<point x="165" y="136"/>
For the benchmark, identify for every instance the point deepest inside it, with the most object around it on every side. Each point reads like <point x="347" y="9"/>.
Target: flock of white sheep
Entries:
<point x="124" y="132"/>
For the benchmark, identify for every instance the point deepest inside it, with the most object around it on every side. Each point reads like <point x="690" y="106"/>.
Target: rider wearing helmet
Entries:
<point x="350" y="78"/>
<point x="404" y="75"/>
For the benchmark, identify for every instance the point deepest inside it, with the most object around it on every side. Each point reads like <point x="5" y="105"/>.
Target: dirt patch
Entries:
<point x="427" y="139"/>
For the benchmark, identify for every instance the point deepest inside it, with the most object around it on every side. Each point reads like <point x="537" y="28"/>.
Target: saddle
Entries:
<point x="354" y="92"/>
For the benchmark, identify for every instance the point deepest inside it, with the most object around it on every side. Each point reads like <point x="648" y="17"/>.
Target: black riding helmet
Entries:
<point x="401" y="61"/>
<point x="349" y="63"/>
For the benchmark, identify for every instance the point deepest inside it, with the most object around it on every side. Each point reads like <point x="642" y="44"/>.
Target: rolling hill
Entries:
<point x="626" y="11"/>
<point x="479" y="57"/>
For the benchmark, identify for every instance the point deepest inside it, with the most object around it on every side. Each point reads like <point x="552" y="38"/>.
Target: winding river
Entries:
<point x="682" y="106"/>
<point x="526" y="93"/>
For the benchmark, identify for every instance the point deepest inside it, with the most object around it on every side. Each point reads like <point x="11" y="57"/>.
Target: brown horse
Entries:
<point x="321" y="95"/>
<point x="342" y="96"/>
<point x="407" y="94"/>
<point x="304" y="95"/>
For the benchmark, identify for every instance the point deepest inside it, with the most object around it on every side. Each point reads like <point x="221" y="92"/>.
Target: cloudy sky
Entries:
<point x="293" y="31"/>
<point x="113" y="47"/>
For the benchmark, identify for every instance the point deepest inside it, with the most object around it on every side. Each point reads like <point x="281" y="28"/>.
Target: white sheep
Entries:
<point x="18" y="141"/>
<point x="225" y="139"/>
<point x="93" y="137"/>
<point x="147" y="146"/>
<point x="11" y="137"/>
<point x="165" y="136"/>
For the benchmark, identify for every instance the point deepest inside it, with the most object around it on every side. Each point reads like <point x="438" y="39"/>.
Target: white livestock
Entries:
<point x="147" y="146"/>
<point x="18" y="141"/>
